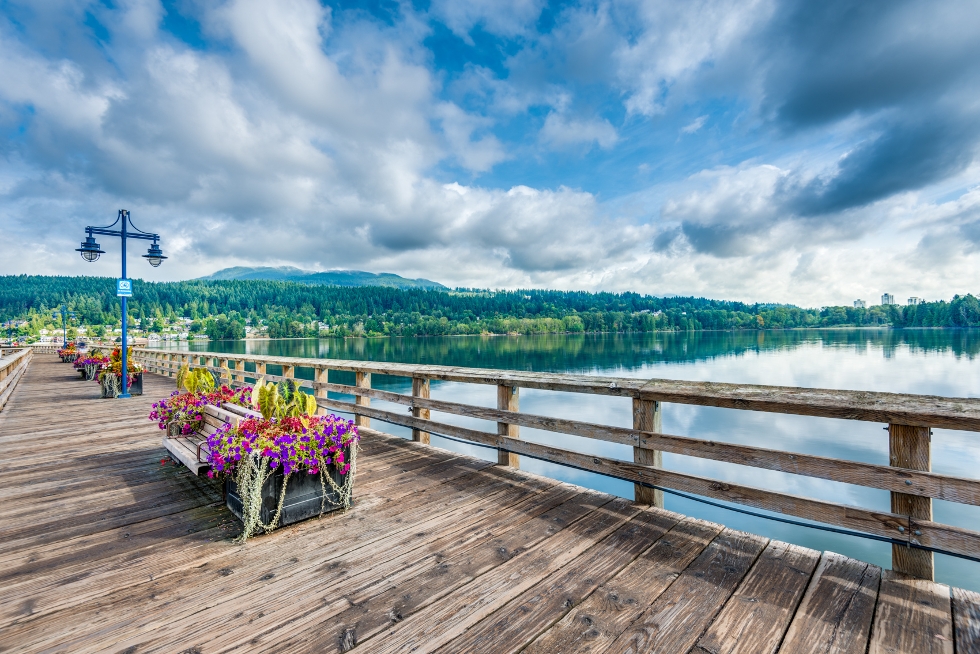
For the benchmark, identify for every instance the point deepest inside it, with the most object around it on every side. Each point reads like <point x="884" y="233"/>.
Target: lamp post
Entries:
<point x="91" y="251"/>
<point x="66" y="315"/>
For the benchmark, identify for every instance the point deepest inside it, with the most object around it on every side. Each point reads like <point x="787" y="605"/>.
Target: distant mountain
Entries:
<point x="329" y="278"/>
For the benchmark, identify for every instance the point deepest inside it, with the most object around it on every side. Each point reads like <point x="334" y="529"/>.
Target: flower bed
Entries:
<point x="182" y="414"/>
<point x="110" y="375"/>
<point x="286" y="466"/>
<point x="89" y="366"/>
<point x="68" y="353"/>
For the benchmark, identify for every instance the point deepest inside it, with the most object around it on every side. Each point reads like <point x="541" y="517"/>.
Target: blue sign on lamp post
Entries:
<point x="91" y="251"/>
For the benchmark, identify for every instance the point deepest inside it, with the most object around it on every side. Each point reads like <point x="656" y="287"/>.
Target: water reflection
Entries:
<point x="937" y="362"/>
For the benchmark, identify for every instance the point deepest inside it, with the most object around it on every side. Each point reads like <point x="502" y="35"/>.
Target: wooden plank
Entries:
<point x="909" y="447"/>
<point x="966" y="621"/>
<point x="891" y="525"/>
<point x="756" y="617"/>
<point x="835" y="614"/>
<point x="373" y="608"/>
<point x="508" y="399"/>
<point x="512" y="627"/>
<point x="594" y="624"/>
<point x="680" y="615"/>
<point x="181" y="450"/>
<point x="897" y="408"/>
<point x="647" y="417"/>
<point x="890" y="478"/>
<point x="447" y="619"/>
<point x="363" y="380"/>
<point x="912" y="615"/>
<point x="420" y="389"/>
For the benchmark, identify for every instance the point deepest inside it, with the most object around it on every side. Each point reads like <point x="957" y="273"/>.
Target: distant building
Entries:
<point x="915" y="300"/>
<point x="860" y="304"/>
<point x="887" y="298"/>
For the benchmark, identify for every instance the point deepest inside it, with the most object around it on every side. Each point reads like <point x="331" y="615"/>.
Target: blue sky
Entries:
<point x="766" y="150"/>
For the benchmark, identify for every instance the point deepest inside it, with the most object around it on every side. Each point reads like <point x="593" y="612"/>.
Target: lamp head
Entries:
<point x="90" y="250"/>
<point x="154" y="256"/>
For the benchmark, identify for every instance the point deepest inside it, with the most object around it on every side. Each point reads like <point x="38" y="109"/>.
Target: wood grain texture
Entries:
<point x="890" y="525"/>
<point x="905" y="480"/>
<point x="910" y="448"/>
<point x="647" y="417"/>
<point x="675" y="621"/>
<point x="966" y="621"/>
<point x="508" y="399"/>
<point x="509" y="628"/>
<point x="362" y="380"/>
<point x="897" y="408"/>
<point x="102" y="548"/>
<point x="420" y="389"/>
<point x="912" y="615"/>
<point x="835" y="614"/>
<point x="594" y="624"/>
<point x="757" y="616"/>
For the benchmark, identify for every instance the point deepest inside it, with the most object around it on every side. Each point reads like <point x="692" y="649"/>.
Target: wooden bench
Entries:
<point x="192" y="449"/>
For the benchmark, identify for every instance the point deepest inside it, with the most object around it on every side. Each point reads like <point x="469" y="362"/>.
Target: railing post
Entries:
<point x="909" y="447"/>
<point x="259" y="370"/>
<point x="225" y="372"/>
<point x="508" y="399"/>
<point x="321" y="375"/>
<point x="170" y="364"/>
<point x="287" y="371"/>
<point x="647" y="417"/>
<point x="420" y="388"/>
<point x="362" y="380"/>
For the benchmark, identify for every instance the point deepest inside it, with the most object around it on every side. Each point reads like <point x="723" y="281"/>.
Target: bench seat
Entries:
<point x="192" y="450"/>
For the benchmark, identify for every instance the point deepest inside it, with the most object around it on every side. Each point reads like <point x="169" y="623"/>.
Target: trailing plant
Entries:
<point x="110" y="376"/>
<point x="90" y="365"/>
<point x="185" y="411"/>
<point x="307" y="444"/>
<point x="69" y="352"/>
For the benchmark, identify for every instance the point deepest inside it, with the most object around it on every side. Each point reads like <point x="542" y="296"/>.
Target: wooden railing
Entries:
<point x="909" y="418"/>
<point x="13" y="363"/>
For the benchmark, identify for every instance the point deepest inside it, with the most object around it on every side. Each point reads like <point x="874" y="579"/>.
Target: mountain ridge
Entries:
<point x="324" y="278"/>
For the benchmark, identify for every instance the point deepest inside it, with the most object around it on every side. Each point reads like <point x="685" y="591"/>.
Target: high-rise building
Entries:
<point x="915" y="300"/>
<point x="860" y="304"/>
<point x="887" y="298"/>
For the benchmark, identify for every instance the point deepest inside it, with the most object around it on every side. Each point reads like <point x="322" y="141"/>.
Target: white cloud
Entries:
<point x="319" y="139"/>
<point x="694" y="125"/>
<point x="560" y="131"/>
<point x="500" y="17"/>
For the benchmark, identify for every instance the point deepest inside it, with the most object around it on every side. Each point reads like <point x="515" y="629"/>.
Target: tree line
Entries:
<point x="222" y="309"/>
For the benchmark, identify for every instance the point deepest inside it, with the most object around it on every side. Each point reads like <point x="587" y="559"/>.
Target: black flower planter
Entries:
<point x="303" y="495"/>
<point x="135" y="388"/>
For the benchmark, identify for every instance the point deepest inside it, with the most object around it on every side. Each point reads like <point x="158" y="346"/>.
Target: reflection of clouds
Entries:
<point x="878" y="362"/>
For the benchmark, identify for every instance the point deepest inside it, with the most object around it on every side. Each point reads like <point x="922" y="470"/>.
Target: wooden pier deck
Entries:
<point x="103" y="549"/>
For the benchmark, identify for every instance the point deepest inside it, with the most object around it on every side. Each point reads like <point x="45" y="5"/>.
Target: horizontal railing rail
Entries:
<point x="910" y="417"/>
<point x="13" y="364"/>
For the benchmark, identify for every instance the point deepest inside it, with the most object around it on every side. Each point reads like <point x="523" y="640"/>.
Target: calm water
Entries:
<point x="929" y="362"/>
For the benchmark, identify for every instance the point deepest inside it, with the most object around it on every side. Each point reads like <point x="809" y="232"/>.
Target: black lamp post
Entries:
<point x="65" y="316"/>
<point x="90" y="251"/>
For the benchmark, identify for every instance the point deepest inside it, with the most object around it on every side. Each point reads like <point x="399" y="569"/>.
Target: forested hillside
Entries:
<point x="222" y="309"/>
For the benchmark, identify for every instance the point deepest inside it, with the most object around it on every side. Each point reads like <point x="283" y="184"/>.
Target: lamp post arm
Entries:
<point x="102" y="231"/>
